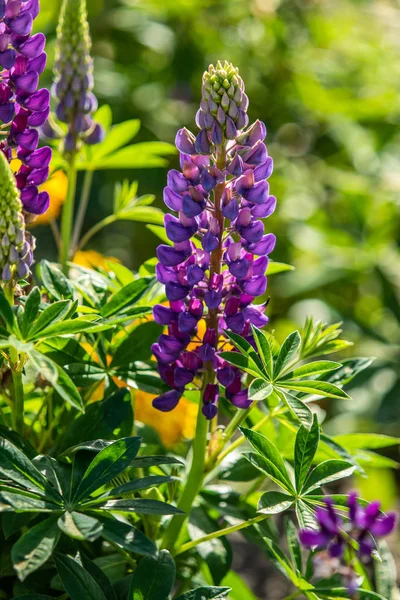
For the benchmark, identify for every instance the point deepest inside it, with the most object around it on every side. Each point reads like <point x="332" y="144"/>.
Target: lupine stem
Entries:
<point x="83" y="204"/>
<point x="16" y="365"/>
<point x="220" y="533"/>
<point x="95" y="229"/>
<point x="68" y="214"/>
<point x="194" y="480"/>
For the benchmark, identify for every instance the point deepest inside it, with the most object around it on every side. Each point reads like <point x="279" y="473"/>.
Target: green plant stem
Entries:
<point x="95" y="229"/>
<point x="68" y="215"/>
<point x="220" y="533"/>
<point x="17" y="392"/>
<point x="83" y="204"/>
<point x="194" y="480"/>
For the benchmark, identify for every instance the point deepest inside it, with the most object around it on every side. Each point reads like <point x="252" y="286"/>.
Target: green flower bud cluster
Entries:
<point x="224" y="103"/>
<point x="15" y="251"/>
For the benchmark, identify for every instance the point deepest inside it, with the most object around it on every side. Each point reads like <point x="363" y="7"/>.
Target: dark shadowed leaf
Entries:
<point x="35" y="547"/>
<point x="77" y="582"/>
<point x="127" y="536"/>
<point x="154" y="578"/>
<point x="205" y="593"/>
<point x="79" y="526"/>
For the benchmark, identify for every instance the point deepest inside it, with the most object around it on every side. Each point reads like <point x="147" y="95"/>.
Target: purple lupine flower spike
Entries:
<point x="74" y="77"/>
<point x="24" y="107"/>
<point x="358" y="531"/>
<point x="219" y="196"/>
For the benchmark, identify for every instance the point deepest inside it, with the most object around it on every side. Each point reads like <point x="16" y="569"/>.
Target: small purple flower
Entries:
<point x="219" y="196"/>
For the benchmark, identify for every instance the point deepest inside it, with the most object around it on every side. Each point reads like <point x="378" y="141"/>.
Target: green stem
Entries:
<point x="68" y="215"/>
<point x="194" y="480"/>
<point x="220" y="533"/>
<point x="17" y="392"/>
<point x="83" y="204"/>
<point x="95" y="229"/>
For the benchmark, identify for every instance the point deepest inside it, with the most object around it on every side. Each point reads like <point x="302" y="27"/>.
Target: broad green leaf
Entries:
<point x="154" y="578"/>
<point x="31" y="309"/>
<point x="99" y="576"/>
<point x="127" y="296"/>
<point x="51" y="314"/>
<point x="6" y="312"/>
<point x="127" y="536"/>
<point x="289" y="348"/>
<point x="79" y="526"/>
<point x="245" y="363"/>
<point x="116" y="137"/>
<point x="239" y="588"/>
<point x="350" y="368"/>
<point x="305" y="516"/>
<point x="385" y="571"/>
<point x="16" y="466"/>
<point x="372" y="441"/>
<point x="55" y="281"/>
<point x="140" y="484"/>
<point x="281" y="561"/>
<point x="299" y="409"/>
<point x="304" y="451"/>
<point x="270" y="454"/>
<point x="236" y="468"/>
<point x="278" y="267"/>
<point x="57" y="377"/>
<point x="269" y="468"/>
<point x="22" y="503"/>
<point x="159" y="231"/>
<point x="137" y="345"/>
<point x="292" y="539"/>
<point x="143" y="506"/>
<point x="326" y="472"/>
<point x="260" y="389"/>
<point x="272" y="503"/>
<point x="109" y="463"/>
<point x="318" y="388"/>
<point x="207" y="593"/>
<point x="264" y="350"/>
<point x="142" y="214"/>
<point x="77" y="582"/>
<point x="144" y="462"/>
<point x="35" y="547"/>
<point x="314" y="368"/>
<point x="135" y="156"/>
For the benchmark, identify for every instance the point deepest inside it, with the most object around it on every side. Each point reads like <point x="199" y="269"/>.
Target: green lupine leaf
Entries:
<point x="79" y="526"/>
<point x="116" y="137"/>
<point x="51" y="314"/>
<point x="314" y="368"/>
<point x="143" y="506"/>
<point x="385" y="571"/>
<point x="142" y="214"/>
<point x="372" y="441"/>
<point x="205" y="593"/>
<point x="57" y="377"/>
<point x="260" y="389"/>
<point x="305" y="516"/>
<point x="31" y="307"/>
<point x="272" y="503"/>
<point x="270" y="453"/>
<point x="240" y="589"/>
<point x="269" y="468"/>
<point x="127" y="296"/>
<point x="77" y="582"/>
<point x="137" y="345"/>
<point x="145" y="462"/>
<point x="108" y="464"/>
<point x="264" y="350"/>
<point x="34" y="597"/>
<point x="99" y="576"/>
<point x="55" y="281"/>
<point x="292" y="538"/>
<point x="140" y="484"/>
<point x="278" y="267"/>
<point x="304" y="451"/>
<point x="127" y="536"/>
<point x="289" y="348"/>
<point x="35" y="547"/>
<point x="299" y="409"/>
<point x="6" y="312"/>
<point x="316" y="387"/>
<point x="21" y="503"/>
<point x="154" y="578"/>
<point x="245" y="363"/>
<point x="326" y="472"/>
<point x="281" y="561"/>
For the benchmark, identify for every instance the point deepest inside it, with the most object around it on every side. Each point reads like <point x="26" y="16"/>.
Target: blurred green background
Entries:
<point x="324" y="76"/>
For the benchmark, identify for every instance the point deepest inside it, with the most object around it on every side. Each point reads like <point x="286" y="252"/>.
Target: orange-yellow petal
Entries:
<point x="91" y="259"/>
<point x="57" y="187"/>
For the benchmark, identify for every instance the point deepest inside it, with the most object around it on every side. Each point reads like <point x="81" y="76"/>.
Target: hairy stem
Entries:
<point x="68" y="215"/>
<point x="220" y="533"/>
<point x="83" y="204"/>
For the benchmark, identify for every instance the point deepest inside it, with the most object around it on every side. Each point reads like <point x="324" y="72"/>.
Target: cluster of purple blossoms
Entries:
<point x="356" y="533"/>
<point x="24" y="107"/>
<point x="215" y="267"/>
<point x="74" y="77"/>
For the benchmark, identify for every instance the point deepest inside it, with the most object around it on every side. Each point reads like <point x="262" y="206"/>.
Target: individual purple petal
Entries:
<point x="38" y="101"/>
<point x="213" y="299"/>
<point x="231" y="210"/>
<point x="177" y="232"/>
<point x="384" y="525"/>
<point x="259" y="193"/>
<point x="163" y="315"/>
<point x="256" y="286"/>
<point x="209" y="411"/>
<point x="176" y="182"/>
<point x="236" y="166"/>
<point x="192" y="208"/>
<point x="176" y="291"/>
<point x="256" y="132"/>
<point x="209" y="242"/>
<point x="202" y="143"/>
<point x="264" y="171"/>
<point x="226" y="376"/>
<point x="187" y="322"/>
<point x="240" y="268"/>
<point x="336" y="549"/>
<point x="168" y="401"/>
<point x="169" y="256"/>
<point x="33" y="46"/>
<point x="39" y="159"/>
<point x="257" y="155"/>
<point x="254" y="232"/>
<point x="262" y="211"/>
<point x="184" y="141"/>
<point x="255" y="316"/>
<point x="195" y="274"/>
<point x="7" y="112"/>
<point x="236" y="322"/>
<point x="241" y="399"/>
<point x="211" y="393"/>
<point x="311" y="539"/>
<point x="182" y="377"/>
<point x="22" y="25"/>
<point x="217" y="136"/>
<point x="265" y="246"/>
<point x="7" y="58"/>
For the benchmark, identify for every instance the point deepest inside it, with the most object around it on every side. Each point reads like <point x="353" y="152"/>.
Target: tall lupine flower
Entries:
<point x="215" y="267"/>
<point x="74" y="77"/>
<point x="356" y="534"/>
<point x="15" y="251"/>
<point x="23" y="107"/>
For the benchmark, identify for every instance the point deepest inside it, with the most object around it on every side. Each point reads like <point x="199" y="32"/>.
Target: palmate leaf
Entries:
<point x="154" y="578"/>
<point x="80" y="526"/>
<point x="306" y="445"/>
<point x="264" y="350"/>
<point x="260" y="389"/>
<point x="140" y="484"/>
<point x="243" y="362"/>
<point x="299" y="409"/>
<point x="108" y="464"/>
<point x="35" y="547"/>
<point x="144" y="506"/>
<point x="272" y="503"/>
<point x="268" y="467"/>
<point x="99" y="576"/>
<point x="55" y="281"/>
<point x="313" y="368"/>
<point x="289" y="348"/>
<point x="127" y="296"/>
<point x="127" y="536"/>
<point x="316" y="387"/>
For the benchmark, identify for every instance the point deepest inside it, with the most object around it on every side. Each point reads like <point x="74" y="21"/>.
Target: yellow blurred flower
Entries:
<point x="91" y="259"/>
<point x="57" y="187"/>
<point x="172" y="427"/>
